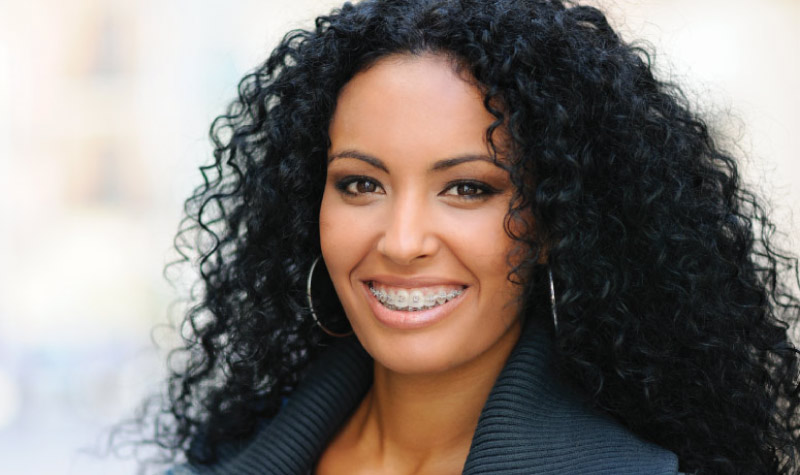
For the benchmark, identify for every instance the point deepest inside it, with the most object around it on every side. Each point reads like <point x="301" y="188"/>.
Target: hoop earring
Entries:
<point x="553" y="299"/>
<point x="311" y="305"/>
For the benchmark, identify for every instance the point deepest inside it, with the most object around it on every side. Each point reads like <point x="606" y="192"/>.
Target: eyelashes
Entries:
<point x="466" y="190"/>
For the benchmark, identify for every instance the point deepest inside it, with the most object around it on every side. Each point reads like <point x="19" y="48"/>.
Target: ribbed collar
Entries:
<point x="531" y="423"/>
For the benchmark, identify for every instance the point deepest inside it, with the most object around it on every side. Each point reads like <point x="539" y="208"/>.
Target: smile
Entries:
<point x="409" y="308"/>
<point x="414" y="299"/>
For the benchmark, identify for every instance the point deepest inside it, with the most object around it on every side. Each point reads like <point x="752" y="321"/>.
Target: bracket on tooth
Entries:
<point x="414" y="300"/>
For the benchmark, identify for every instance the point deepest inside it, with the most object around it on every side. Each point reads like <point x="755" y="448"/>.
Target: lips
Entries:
<point x="410" y="304"/>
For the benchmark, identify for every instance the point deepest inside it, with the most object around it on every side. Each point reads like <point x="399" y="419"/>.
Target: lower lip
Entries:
<point x="410" y="320"/>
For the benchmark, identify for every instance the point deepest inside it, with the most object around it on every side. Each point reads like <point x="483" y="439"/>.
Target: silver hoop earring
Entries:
<point x="553" y="298"/>
<point x="311" y="305"/>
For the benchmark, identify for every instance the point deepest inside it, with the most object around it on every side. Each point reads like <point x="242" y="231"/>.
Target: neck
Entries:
<point x="429" y="419"/>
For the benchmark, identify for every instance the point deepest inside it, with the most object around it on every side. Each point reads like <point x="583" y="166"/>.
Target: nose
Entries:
<point x="409" y="232"/>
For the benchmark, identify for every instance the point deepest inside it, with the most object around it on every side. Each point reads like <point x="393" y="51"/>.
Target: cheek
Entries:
<point x="343" y="236"/>
<point x="482" y="242"/>
<point x="484" y="250"/>
<point x="344" y="242"/>
<point x="331" y="234"/>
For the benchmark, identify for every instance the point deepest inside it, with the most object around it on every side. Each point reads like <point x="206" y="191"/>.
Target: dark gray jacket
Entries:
<point x="531" y="424"/>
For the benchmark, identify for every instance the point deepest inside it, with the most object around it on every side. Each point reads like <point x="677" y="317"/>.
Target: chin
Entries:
<point x="416" y="358"/>
<point x="432" y="351"/>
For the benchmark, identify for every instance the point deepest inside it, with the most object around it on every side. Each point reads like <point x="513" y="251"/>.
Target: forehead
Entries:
<point x="411" y="105"/>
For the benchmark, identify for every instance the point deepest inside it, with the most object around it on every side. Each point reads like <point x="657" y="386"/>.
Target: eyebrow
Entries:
<point x="439" y="165"/>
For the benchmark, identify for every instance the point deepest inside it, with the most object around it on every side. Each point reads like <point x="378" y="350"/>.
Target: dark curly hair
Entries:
<point x="674" y="308"/>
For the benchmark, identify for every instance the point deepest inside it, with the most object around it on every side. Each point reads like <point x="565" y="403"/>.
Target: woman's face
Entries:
<point x="411" y="224"/>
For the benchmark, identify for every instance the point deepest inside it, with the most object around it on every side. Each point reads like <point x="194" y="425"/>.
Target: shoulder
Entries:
<point x="534" y="422"/>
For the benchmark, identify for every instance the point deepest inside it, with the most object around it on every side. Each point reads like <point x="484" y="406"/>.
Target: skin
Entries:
<point x="397" y="206"/>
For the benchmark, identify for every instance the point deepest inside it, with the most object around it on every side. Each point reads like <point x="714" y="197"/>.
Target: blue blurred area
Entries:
<point x="59" y="400"/>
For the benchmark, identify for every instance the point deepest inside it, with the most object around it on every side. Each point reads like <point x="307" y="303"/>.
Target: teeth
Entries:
<point x="430" y="300"/>
<point x="400" y="298"/>
<point x="414" y="299"/>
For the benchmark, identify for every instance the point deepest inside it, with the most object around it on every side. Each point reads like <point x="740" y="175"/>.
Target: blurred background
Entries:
<point x="104" y="112"/>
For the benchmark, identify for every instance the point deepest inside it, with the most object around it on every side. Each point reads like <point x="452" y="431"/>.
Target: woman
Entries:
<point x="540" y="261"/>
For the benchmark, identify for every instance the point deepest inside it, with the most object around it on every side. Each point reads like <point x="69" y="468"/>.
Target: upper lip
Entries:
<point x="413" y="281"/>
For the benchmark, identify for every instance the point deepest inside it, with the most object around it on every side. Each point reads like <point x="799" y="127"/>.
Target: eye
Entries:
<point x="358" y="185"/>
<point x="466" y="189"/>
<point x="469" y="190"/>
<point x="363" y="186"/>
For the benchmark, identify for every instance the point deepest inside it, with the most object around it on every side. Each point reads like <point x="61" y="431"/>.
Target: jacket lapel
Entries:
<point x="531" y="424"/>
<point x="534" y="424"/>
